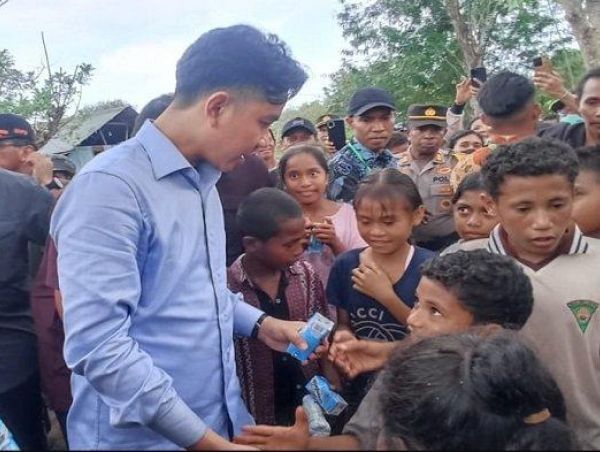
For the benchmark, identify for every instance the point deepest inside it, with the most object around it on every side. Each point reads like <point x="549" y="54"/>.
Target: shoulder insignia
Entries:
<point x="583" y="311"/>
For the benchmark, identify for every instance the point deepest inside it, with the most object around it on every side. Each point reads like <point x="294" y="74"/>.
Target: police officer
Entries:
<point x="430" y="169"/>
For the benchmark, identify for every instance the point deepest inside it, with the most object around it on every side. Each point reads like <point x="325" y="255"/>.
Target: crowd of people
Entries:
<point x="148" y="299"/>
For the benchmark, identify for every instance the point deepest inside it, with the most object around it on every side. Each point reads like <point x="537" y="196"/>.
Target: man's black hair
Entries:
<point x="152" y="110"/>
<point x="238" y="57"/>
<point x="471" y="391"/>
<point x="491" y="287"/>
<point x="505" y="94"/>
<point x="530" y="157"/>
<point x="260" y="215"/>
<point x="589" y="75"/>
<point x="589" y="159"/>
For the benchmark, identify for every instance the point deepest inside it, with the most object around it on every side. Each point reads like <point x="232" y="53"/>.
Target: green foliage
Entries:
<point x="44" y="100"/>
<point x="410" y="47"/>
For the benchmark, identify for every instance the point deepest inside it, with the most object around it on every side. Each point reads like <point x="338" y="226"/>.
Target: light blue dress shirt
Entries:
<point x="148" y="317"/>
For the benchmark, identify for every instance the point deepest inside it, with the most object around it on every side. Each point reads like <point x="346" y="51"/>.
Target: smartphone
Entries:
<point x="542" y="63"/>
<point x="336" y="130"/>
<point x="479" y="73"/>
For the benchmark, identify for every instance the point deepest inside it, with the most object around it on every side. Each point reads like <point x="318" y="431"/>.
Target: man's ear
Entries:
<point x="215" y="106"/>
<point x="250" y="243"/>
<point x="418" y="216"/>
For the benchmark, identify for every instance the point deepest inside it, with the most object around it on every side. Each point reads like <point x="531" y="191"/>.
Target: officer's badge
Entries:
<point x="583" y="311"/>
<point x="430" y="112"/>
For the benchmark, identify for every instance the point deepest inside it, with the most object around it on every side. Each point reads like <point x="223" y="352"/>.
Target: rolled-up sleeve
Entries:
<point x="99" y="230"/>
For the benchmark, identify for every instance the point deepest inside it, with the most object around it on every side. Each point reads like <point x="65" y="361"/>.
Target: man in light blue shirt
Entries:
<point x="141" y="257"/>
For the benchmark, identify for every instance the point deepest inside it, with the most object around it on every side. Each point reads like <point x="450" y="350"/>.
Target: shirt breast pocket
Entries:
<point x="442" y="197"/>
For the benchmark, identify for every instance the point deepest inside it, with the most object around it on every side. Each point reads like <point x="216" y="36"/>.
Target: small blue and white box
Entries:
<point x="317" y="328"/>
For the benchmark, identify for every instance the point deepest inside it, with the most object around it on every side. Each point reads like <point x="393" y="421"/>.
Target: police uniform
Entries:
<point x="433" y="182"/>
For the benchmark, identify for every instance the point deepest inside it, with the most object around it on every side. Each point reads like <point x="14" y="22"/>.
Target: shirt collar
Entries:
<point x="367" y="153"/>
<point x="242" y="277"/>
<point x="407" y="157"/>
<point x="572" y="243"/>
<point x="166" y="159"/>
<point x="164" y="155"/>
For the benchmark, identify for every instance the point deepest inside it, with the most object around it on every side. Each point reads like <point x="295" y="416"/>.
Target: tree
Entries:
<point x="43" y="100"/>
<point x="584" y="18"/>
<point x="418" y="49"/>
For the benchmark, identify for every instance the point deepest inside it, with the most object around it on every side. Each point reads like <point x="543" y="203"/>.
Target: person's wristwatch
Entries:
<point x="56" y="184"/>
<point x="257" y="325"/>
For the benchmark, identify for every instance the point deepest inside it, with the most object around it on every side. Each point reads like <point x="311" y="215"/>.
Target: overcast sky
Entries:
<point x="134" y="44"/>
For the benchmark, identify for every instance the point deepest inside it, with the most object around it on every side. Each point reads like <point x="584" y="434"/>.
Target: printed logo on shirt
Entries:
<point x="369" y="323"/>
<point x="583" y="310"/>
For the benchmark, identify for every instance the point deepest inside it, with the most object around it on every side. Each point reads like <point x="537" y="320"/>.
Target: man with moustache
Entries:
<point x="430" y="170"/>
<point x="371" y="117"/>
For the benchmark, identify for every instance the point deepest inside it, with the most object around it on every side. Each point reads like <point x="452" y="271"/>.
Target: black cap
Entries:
<point x="298" y="123"/>
<point x="427" y="115"/>
<point x="62" y="163"/>
<point x="324" y="119"/>
<point x="15" y="127"/>
<point x="365" y="99"/>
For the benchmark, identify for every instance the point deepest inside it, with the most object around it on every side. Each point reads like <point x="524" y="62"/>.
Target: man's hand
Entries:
<point x="329" y="148"/>
<point x="354" y="357"/>
<point x="267" y="437"/>
<point x="278" y="334"/>
<point x="551" y="83"/>
<point x="212" y="441"/>
<point x="465" y="91"/>
<point x="371" y="280"/>
<point x="41" y="168"/>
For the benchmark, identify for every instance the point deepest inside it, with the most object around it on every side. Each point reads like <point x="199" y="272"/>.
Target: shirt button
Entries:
<point x="298" y="386"/>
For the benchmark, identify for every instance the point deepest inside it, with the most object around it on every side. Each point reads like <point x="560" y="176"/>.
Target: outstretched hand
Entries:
<point x="354" y="357"/>
<point x="267" y="437"/>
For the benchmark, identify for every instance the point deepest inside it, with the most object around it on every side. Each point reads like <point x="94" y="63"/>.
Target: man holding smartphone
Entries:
<point x="371" y="117"/>
<point x="323" y="133"/>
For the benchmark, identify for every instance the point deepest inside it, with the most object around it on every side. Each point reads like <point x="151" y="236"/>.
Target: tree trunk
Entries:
<point x="471" y="50"/>
<point x="584" y="18"/>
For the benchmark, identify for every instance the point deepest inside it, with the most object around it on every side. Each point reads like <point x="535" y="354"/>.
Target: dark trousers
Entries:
<point x="22" y="411"/>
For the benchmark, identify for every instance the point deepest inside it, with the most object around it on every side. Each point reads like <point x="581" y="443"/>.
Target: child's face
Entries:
<point x="586" y="207"/>
<point x="305" y="179"/>
<point x="286" y="247"/>
<point x="473" y="216"/>
<point x="535" y="212"/>
<point x="437" y="312"/>
<point x="386" y="226"/>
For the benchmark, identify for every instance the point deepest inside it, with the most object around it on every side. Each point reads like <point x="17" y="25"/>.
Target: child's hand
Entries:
<point x="355" y="357"/>
<point x="267" y="437"/>
<point x="372" y="281"/>
<point x="325" y="232"/>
